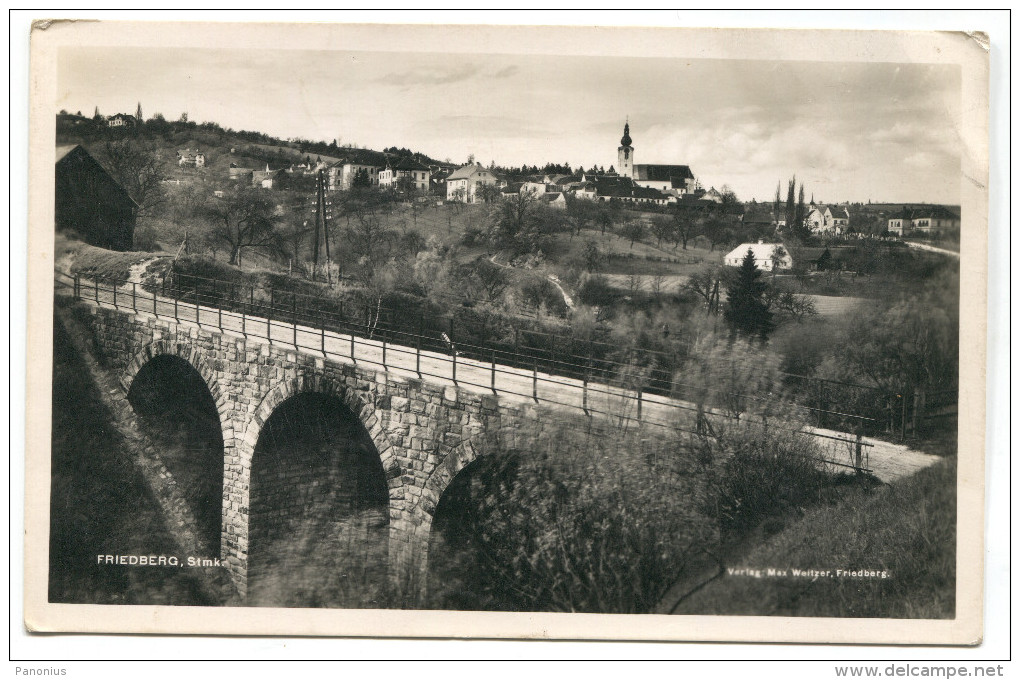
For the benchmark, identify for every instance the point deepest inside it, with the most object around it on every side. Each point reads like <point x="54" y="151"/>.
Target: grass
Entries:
<point x="907" y="528"/>
<point x="76" y="256"/>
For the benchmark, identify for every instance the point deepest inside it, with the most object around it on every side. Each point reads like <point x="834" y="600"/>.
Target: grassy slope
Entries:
<point x="907" y="527"/>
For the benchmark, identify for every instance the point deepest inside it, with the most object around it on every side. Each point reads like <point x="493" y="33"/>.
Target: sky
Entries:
<point x="849" y="131"/>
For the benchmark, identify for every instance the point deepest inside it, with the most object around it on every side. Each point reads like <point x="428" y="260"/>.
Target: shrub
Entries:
<point x="596" y="291"/>
<point x="769" y="473"/>
<point x="579" y="521"/>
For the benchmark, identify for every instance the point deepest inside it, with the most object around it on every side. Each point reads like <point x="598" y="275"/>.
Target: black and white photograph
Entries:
<point x="368" y="328"/>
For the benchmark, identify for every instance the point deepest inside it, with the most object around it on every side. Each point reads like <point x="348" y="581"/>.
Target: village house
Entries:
<point x="766" y="256"/>
<point x="405" y="170"/>
<point x="823" y="218"/>
<point x="121" y="120"/>
<point x="462" y="184"/>
<point x="924" y="220"/>
<point x="340" y="175"/>
<point x="191" y="159"/>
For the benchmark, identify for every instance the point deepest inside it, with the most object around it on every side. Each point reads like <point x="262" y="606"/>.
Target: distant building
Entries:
<point x="462" y="184"/>
<point x="191" y="159"/>
<point x="824" y="218"/>
<point x="673" y="179"/>
<point x="764" y="256"/>
<point x="90" y="202"/>
<point x="340" y="175"/>
<point x="121" y="120"/>
<point x="924" y="220"/>
<point x="404" y="171"/>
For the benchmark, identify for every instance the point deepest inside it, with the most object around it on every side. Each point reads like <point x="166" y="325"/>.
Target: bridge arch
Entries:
<point x="194" y="358"/>
<point x="238" y="498"/>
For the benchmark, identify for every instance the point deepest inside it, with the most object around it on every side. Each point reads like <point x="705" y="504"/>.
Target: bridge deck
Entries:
<point x="514" y="385"/>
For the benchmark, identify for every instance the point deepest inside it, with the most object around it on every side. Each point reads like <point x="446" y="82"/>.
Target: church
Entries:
<point x="671" y="179"/>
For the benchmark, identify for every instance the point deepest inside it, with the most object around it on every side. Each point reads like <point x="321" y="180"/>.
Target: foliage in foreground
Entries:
<point x="607" y="521"/>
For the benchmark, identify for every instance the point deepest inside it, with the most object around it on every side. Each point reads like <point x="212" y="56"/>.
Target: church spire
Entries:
<point x="626" y="140"/>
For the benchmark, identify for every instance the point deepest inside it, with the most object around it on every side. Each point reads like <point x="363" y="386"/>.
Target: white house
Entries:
<point x="408" y="170"/>
<point x="194" y="159"/>
<point x="462" y="184"/>
<point x="766" y="255"/>
<point x="834" y="218"/>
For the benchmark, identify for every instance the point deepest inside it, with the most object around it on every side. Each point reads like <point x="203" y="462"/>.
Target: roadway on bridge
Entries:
<point x="518" y="386"/>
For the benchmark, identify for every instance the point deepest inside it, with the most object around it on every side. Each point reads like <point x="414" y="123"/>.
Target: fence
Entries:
<point x="628" y="391"/>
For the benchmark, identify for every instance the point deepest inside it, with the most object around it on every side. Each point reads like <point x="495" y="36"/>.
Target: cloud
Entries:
<point x="420" y="76"/>
<point x="506" y="72"/>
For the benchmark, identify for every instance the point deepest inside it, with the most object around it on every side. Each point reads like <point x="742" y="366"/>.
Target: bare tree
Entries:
<point x="139" y="168"/>
<point x="243" y="218"/>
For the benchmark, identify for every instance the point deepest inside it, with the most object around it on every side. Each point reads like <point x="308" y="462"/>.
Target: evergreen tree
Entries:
<point x="138" y="113"/>
<point x="746" y="311"/>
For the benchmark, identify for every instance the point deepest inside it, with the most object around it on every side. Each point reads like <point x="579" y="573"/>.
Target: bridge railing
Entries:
<point x="477" y="337"/>
<point x="602" y="392"/>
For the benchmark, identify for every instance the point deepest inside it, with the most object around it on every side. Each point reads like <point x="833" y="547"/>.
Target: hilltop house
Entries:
<point x="462" y="184"/>
<point x="121" y="120"/>
<point x="89" y="201"/>
<point x="766" y="256"/>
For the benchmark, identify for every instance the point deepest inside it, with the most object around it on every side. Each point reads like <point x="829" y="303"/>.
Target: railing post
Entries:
<point x="534" y="380"/>
<point x="219" y="318"/>
<point x="114" y="286"/>
<point x="494" y="371"/>
<point x="384" y="352"/>
<point x="858" y="453"/>
<point x="175" y="309"/>
<point x="639" y="402"/>
<point x="417" y="355"/>
<point x="293" y="310"/>
<point x="95" y="283"/>
<point x="244" y="329"/>
<point x="269" y="316"/>
<point x="454" y="352"/>
<point x="155" y="311"/>
<point x="353" y="360"/>
<point x="584" y="388"/>
<point x="198" y="313"/>
<point x="322" y="336"/>
<point x="134" y="296"/>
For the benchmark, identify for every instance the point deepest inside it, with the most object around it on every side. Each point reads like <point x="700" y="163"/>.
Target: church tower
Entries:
<point x="625" y="154"/>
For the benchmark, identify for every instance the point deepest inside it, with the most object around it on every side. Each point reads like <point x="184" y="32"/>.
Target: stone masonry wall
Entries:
<point x="424" y="433"/>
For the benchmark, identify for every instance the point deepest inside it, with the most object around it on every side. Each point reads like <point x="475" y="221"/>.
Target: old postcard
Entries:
<point x="530" y="332"/>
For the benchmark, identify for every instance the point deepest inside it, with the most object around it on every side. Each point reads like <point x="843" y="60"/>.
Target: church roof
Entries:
<point x="662" y="173"/>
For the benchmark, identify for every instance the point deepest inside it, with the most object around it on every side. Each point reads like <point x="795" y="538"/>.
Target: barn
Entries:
<point x="90" y="202"/>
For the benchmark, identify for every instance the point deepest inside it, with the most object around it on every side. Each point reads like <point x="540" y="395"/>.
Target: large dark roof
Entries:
<point x="662" y="173"/>
<point x="935" y="212"/>
<point x="409" y="164"/>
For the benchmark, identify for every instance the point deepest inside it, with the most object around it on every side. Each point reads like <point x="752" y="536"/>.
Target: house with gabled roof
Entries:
<point x="405" y="169"/>
<point x="766" y="256"/>
<point x="462" y="184"/>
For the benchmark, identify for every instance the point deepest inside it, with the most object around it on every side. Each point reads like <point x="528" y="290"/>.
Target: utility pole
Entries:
<point x="315" y="242"/>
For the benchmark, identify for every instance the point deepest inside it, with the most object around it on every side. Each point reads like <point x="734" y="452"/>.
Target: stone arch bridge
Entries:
<point x="424" y="430"/>
<point x="422" y="416"/>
